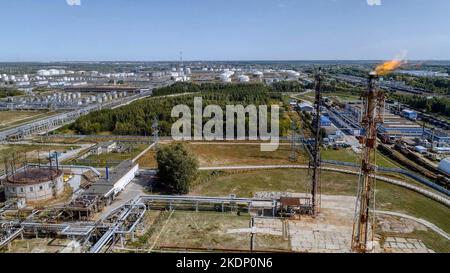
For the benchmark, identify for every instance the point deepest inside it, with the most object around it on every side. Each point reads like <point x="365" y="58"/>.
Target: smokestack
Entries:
<point x="373" y="105"/>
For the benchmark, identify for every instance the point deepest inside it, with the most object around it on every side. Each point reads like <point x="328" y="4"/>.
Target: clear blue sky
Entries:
<point x="152" y="30"/>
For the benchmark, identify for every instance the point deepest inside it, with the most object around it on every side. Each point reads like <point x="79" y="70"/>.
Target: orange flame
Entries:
<point x="389" y="66"/>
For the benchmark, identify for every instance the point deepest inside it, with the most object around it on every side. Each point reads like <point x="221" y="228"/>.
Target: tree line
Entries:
<point x="9" y="92"/>
<point x="433" y="84"/>
<point x="438" y="105"/>
<point x="137" y="118"/>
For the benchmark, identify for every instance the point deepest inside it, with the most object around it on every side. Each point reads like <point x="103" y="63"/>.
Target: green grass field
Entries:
<point x="341" y="96"/>
<point x="229" y="154"/>
<point x="100" y="160"/>
<point x="347" y="155"/>
<point x="10" y="119"/>
<point x="389" y="197"/>
<point x="184" y="229"/>
<point x="29" y="153"/>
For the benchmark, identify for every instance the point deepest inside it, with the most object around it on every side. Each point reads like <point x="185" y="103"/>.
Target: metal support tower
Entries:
<point x="373" y="112"/>
<point x="315" y="164"/>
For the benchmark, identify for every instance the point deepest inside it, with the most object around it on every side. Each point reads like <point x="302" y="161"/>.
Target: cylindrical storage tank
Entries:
<point x="244" y="78"/>
<point x="35" y="184"/>
<point x="444" y="165"/>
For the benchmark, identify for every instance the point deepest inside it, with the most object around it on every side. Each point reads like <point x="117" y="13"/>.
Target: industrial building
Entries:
<point x="439" y="137"/>
<point x="409" y="114"/>
<point x="105" y="147"/>
<point x="305" y="106"/>
<point x="393" y="127"/>
<point x="114" y="181"/>
<point x="444" y="165"/>
<point x="325" y="121"/>
<point x="34" y="184"/>
<point x="244" y="78"/>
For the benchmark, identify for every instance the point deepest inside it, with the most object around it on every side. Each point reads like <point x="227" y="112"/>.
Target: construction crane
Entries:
<point x="315" y="162"/>
<point x="373" y="112"/>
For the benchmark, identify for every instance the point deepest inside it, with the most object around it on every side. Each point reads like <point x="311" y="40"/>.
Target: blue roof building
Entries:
<point x="325" y="121"/>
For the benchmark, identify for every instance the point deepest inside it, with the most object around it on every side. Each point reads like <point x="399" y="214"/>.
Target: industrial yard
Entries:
<point x="225" y="136"/>
<point x="64" y="190"/>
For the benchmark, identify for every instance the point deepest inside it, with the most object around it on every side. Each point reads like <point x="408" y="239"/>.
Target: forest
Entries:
<point x="8" y="92"/>
<point x="434" y="105"/>
<point x="137" y="118"/>
<point x="433" y="84"/>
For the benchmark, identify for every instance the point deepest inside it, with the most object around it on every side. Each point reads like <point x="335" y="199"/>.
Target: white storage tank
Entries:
<point x="244" y="78"/>
<point x="444" y="165"/>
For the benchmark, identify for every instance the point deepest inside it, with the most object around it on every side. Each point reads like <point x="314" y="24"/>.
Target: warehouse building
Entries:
<point x="439" y="137"/>
<point x="325" y="121"/>
<point x="305" y="106"/>
<point x="409" y="114"/>
<point x="394" y="126"/>
<point x="444" y="165"/>
<point x="108" y="187"/>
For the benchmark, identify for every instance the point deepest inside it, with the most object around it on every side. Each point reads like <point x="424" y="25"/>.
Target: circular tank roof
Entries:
<point x="34" y="175"/>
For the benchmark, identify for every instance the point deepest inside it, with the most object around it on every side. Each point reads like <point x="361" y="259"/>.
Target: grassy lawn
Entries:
<point x="235" y="154"/>
<point x="345" y="155"/>
<point x="389" y="197"/>
<point x="14" y="118"/>
<point x="148" y="160"/>
<point x="229" y="154"/>
<point x="202" y="230"/>
<point x="247" y="182"/>
<point x="19" y="150"/>
<point x="348" y="155"/>
<point x="102" y="158"/>
<point x="309" y="96"/>
<point x="342" y="96"/>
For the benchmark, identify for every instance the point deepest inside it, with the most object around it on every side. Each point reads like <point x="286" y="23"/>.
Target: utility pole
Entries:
<point x="252" y="234"/>
<point x="315" y="187"/>
<point x="373" y="107"/>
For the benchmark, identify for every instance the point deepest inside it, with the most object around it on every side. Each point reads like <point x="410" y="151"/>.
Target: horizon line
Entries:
<point x="218" y="60"/>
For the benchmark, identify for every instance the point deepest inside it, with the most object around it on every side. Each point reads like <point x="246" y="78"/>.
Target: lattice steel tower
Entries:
<point x="373" y="110"/>
<point x="315" y="164"/>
